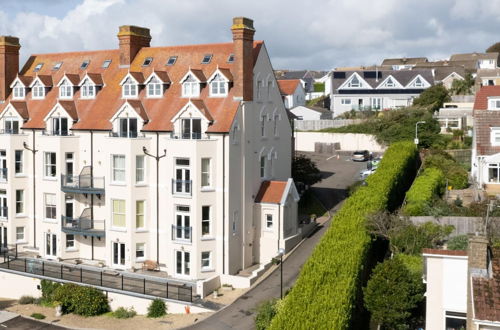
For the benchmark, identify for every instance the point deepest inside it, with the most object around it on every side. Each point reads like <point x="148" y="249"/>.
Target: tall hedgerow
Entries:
<point x="327" y="290"/>
<point x="427" y="186"/>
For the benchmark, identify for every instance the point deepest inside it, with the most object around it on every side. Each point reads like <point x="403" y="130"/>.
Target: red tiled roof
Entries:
<point x="21" y="108"/>
<point x="486" y="293"/>
<point x="137" y="105"/>
<point x="25" y="80"/>
<point x="201" y="106"/>
<point x="73" y="78"/>
<point x="96" y="113"/>
<point x="288" y="86"/>
<point x="70" y="108"/>
<point x="46" y="80"/>
<point x="271" y="192"/>
<point x="481" y="101"/>
<point x="163" y="75"/>
<point x="138" y="76"/>
<point x="445" y="252"/>
<point x="226" y="73"/>
<point x="199" y="74"/>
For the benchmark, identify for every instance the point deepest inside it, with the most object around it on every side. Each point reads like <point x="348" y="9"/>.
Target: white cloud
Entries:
<point x="298" y="33"/>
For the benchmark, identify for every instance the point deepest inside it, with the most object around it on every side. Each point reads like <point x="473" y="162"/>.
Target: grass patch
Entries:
<point x="38" y="316"/>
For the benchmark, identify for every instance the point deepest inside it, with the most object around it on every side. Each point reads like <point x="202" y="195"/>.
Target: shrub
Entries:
<point x="157" y="308"/>
<point x="460" y="242"/>
<point x="25" y="300"/>
<point x="411" y="239"/>
<point x="392" y="293"/>
<point x="456" y="175"/>
<point x="265" y="313"/>
<point x="81" y="300"/>
<point x="124" y="313"/>
<point x="48" y="289"/>
<point x="421" y="194"/>
<point x="328" y="287"/>
<point x="38" y="316"/>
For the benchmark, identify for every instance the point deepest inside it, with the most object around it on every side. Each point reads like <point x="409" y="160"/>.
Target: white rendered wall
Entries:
<point x="304" y="141"/>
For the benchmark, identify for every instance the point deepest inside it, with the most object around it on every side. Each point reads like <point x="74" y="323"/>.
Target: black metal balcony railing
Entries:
<point x="3" y="174"/>
<point x="82" y="184"/>
<point x="182" y="187"/>
<point x="4" y="212"/>
<point x="180" y="233"/>
<point x="83" y="226"/>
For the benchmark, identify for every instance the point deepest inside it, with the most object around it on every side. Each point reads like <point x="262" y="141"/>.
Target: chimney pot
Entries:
<point x="131" y="39"/>
<point x="243" y="32"/>
<point x="9" y="63"/>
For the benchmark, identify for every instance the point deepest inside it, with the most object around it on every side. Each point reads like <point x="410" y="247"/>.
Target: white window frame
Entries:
<point x="495" y="136"/>
<point x="48" y="166"/>
<point x="154" y="88"/>
<point x="115" y="171"/>
<point x="185" y="265"/>
<point x="70" y="242"/>
<point x="117" y="213"/>
<point x="351" y="84"/>
<point x="206" y="222"/>
<point x="269" y="221"/>
<point x="494" y="104"/>
<point x="50" y="203"/>
<point x="140" y="247"/>
<point x="18" y="91"/>
<point x="38" y="91"/>
<point x="190" y="87"/>
<point x="138" y="214"/>
<point x="20" y="239"/>
<point x="11" y="125"/>
<point x="66" y="90"/>
<point x="130" y="89"/>
<point x="218" y="86"/>
<point x="19" y="162"/>
<point x="87" y="89"/>
<point x="140" y="170"/>
<point x="186" y="225"/>
<point x="19" y="201"/>
<point x="206" y="261"/>
<point x="206" y="179"/>
<point x="345" y="101"/>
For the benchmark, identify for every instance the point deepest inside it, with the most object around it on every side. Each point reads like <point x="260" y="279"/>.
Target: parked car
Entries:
<point x="365" y="173"/>
<point x="361" y="156"/>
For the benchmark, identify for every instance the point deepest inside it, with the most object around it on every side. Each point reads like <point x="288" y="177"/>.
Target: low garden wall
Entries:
<point x="305" y="141"/>
<point x="463" y="225"/>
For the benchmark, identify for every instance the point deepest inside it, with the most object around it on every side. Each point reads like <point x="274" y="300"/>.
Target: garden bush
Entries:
<point x="48" y="289"/>
<point x="456" y="175"/>
<point x="460" y="242"/>
<point x="157" y="308"/>
<point x="327" y="291"/>
<point x="124" y="313"/>
<point x="81" y="300"/>
<point x="25" y="300"/>
<point x="265" y="313"/>
<point x="428" y="185"/>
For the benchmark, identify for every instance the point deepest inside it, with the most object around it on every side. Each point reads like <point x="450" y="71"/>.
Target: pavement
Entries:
<point x="337" y="175"/>
<point x="23" y="323"/>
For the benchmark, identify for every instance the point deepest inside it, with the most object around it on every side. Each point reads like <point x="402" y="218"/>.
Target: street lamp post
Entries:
<point x="416" y="131"/>
<point x="157" y="158"/>
<point x="281" y="252"/>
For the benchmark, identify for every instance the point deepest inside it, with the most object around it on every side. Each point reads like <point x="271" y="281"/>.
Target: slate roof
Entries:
<point x="271" y="192"/>
<point x="402" y="76"/>
<point x="486" y="293"/>
<point x="441" y="73"/>
<point x="96" y="113"/>
<point x="473" y="56"/>
<point x="404" y="60"/>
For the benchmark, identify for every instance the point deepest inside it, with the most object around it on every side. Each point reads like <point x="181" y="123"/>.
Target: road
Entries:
<point x="22" y="323"/>
<point x="337" y="175"/>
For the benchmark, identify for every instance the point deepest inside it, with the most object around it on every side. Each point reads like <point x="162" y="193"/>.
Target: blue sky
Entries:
<point x="299" y="34"/>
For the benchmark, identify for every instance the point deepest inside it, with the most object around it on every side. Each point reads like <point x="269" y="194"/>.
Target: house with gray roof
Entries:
<point x="404" y="63"/>
<point x="377" y="89"/>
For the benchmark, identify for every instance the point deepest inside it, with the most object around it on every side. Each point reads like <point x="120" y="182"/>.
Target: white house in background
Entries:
<point x="402" y="63"/>
<point x="311" y="113"/>
<point x="292" y="92"/>
<point x="215" y="109"/>
<point x="376" y="89"/>
<point x="445" y="273"/>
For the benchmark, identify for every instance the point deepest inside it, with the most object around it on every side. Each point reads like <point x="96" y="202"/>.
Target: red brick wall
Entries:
<point x="9" y="64"/>
<point x="243" y="32"/>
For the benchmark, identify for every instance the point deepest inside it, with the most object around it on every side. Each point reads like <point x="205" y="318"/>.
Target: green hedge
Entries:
<point x="327" y="290"/>
<point x="429" y="184"/>
<point x="319" y="87"/>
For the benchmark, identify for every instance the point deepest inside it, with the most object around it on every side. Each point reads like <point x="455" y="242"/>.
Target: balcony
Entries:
<point x="83" y="226"/>
<point x="57" y="133"/>
<point x="10" y="131"/>
<point x="83" y="183"/>
<point x="3" y="174"/>
<point x="182" y="234"/>
<point x="182" y="187"/>
<point x="130" y="134"/>
<point x="189" y="136"/>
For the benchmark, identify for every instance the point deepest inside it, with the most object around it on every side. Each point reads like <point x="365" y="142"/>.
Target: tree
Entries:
<point x="305" y="170"/>
<point x="462" y="86"/>
<point x="495" y="48"/>
<point x="433" y="98"/>
<point x="393" y="293"/>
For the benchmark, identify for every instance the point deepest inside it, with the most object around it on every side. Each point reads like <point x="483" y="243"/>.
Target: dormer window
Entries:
<point x="354" y="82"/>
<point x="218" y="86"/>
<point x="38" y="90"/>
<point x="154" y="87"/>
<point x="390" y="83"/>
<point x="59" y="126"/>
<point x="87" y="89"/>
<point x="19" y="91"/>
<point x="191" y="128"/>
<point x="128" y="127"/>
<point x="418" y="82"/>
<point x="65" y="90"/>
<point x="85" y="64"/>
<point x="190" y="87"/>
<point x="129" y="88"/>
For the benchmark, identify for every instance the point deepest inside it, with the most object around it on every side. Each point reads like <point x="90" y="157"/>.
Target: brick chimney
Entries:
<point x="478" y="264"/>
<point x="243" y="32"/>
<point x="132" y="39"/>
<point x="9" y="63"/>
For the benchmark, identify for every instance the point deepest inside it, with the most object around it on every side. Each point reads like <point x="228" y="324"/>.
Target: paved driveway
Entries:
<point x="338" y="174"/>
<point x="21" y="323"/>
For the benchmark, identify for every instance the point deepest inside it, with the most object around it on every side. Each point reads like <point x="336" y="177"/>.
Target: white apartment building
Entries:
<point x="178" y="154"/>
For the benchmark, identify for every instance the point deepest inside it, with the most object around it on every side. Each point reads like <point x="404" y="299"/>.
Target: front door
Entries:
<point x="118" y="255"/>
<point x="3" y="204"/>
<point x="50" y="245"/>
<point x="3" y="165"/>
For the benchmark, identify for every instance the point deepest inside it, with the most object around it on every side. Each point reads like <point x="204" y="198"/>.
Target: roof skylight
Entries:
<point x="85" y="64"/>
<point x="147" y="61"/>
<point x="38" y="67"/>
<point x="206" y="59"/>
<point x="106" y="64"/>
<point x="230" y="59"/>
<point x="171" y="60"/>
<point x="57" y="66"/>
